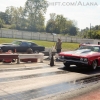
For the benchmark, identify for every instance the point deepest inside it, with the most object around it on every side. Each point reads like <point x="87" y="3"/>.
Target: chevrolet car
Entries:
<point x="87" y="55"/>
<point x="21" y="46"/>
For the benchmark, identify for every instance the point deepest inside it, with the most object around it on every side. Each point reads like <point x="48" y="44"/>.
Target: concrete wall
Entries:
<point x="7" y="33"/>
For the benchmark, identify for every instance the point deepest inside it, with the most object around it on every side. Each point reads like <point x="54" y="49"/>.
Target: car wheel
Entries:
<point x="79" y="66"/>
<point x="94" y="65"/>
<point x="29" y="51"/>
<point x="66" y="66"/>
<point x="36" y="51"/>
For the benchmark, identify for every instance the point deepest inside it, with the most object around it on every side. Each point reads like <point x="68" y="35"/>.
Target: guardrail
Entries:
<point x="30" y="56"/>
<point x="22" y="56"/>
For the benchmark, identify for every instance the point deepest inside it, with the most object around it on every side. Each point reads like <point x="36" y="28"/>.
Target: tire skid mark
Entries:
<point x="22" y="69"/>
<point x="36" y="93"/>
<point x="53" y="89"/>
<point x="32" y="76"/>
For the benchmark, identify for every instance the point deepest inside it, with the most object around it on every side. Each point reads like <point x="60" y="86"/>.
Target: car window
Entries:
<point x="86" y="47"/>
<point x="24" y="44"/>
<point x="92" y="48"/>
<point x="33" y="44"/>
<point x="16" y="42"/>
<point x="96" y="49"/>
<point x="29" y="43"/>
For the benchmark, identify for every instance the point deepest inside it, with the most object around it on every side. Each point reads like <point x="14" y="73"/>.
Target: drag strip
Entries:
<point x="53" y="89"/>
<point x="33" y="82"/>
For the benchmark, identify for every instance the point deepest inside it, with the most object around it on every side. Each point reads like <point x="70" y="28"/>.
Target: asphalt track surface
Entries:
<point x="40" y="81"/>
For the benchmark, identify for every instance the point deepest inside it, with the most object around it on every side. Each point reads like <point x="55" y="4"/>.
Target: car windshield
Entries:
<point x="92" y="48"/>
<point x="16" y="42"/>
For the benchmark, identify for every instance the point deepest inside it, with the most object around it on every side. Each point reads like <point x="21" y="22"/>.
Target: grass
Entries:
<point x="65" y="45"/>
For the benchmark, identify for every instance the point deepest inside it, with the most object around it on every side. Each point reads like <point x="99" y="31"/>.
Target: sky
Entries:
<point x="83" y="12"/>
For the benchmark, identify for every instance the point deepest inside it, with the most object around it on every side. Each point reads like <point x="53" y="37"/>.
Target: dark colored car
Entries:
<point x="87" y="55"/>
<point x="21" y="46"/>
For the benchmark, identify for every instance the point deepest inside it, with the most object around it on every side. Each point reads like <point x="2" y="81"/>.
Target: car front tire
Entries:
<point x="94" y="65"/>
<point x="66" y="66"/>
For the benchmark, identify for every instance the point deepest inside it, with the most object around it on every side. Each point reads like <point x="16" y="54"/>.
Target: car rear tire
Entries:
<point x="29" y="51"/>
<point x="36" y="51"/>
<point x="94" y="65"/>
<point x="66" y="66"/>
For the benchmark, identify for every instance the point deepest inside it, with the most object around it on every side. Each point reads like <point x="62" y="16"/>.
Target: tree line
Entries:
<point x="93" y="32"/>
<point x="31" y="17"/>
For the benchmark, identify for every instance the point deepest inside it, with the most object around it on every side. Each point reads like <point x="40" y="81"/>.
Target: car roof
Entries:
<point x="23" y="40"/>
<point x="89" y="44"/>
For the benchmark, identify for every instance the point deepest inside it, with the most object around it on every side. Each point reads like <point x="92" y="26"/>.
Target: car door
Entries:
<point x="37" y="48"/>
<point x="34" y="46"/>
<point x="24" y="46"/>
<point x="17" y="46"/>
<point x="12" y="47"/>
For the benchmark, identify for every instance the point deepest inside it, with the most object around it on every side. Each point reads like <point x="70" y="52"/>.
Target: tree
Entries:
<point x="53" y="16"/>
<point x="40" y="23"/>
<point x="17" y="17"/>
<point x="20" y="18"/>
<point x="10" y="12"/>
<point x="73" y="30"/>
<point x="1" y="23"/>
<point x="50" y="27"/>
<point x="33" y="9"/>
<point x="60" y="24"/>
<point x="4" y="17"/>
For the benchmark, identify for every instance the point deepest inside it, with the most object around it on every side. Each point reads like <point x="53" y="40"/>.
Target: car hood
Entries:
<point x="82" y="52"/>
<point x="7" y="44"/>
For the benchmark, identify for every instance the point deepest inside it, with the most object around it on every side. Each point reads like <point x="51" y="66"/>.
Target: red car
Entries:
<point x="87" y="55"/>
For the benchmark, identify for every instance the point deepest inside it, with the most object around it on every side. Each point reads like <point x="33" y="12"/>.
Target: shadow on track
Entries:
<point x="81" y="70"/>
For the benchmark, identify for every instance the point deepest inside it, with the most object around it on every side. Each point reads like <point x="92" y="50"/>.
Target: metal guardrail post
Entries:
<point x="18" y="61"/>
<point x="1" y="32"/>
<point x="50" y="53"/>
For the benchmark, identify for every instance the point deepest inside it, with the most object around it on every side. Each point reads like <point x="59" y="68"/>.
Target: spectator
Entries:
<point x="58" y="48"/>
<point x="8" y="60"/>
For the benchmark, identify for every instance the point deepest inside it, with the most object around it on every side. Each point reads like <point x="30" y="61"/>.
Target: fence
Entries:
<point x="7" y="33"/>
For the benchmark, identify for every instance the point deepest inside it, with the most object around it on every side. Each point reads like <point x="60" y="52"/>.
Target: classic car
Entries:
<point x="87" y="55"/>
<point x="21" y="46"/>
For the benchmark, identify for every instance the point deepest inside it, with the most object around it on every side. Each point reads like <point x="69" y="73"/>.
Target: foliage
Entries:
<point x="16" y="16"/>
<point x="73" y="30"/>
<point x="60" y="25"/>
<point x="92" y="33"/>
<point x="95" y="34"/>
<point x="1" y="23"/>
<point x="4" y="17"/>
<point x="31" y="18"/>
<point x="35" y="9"/>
